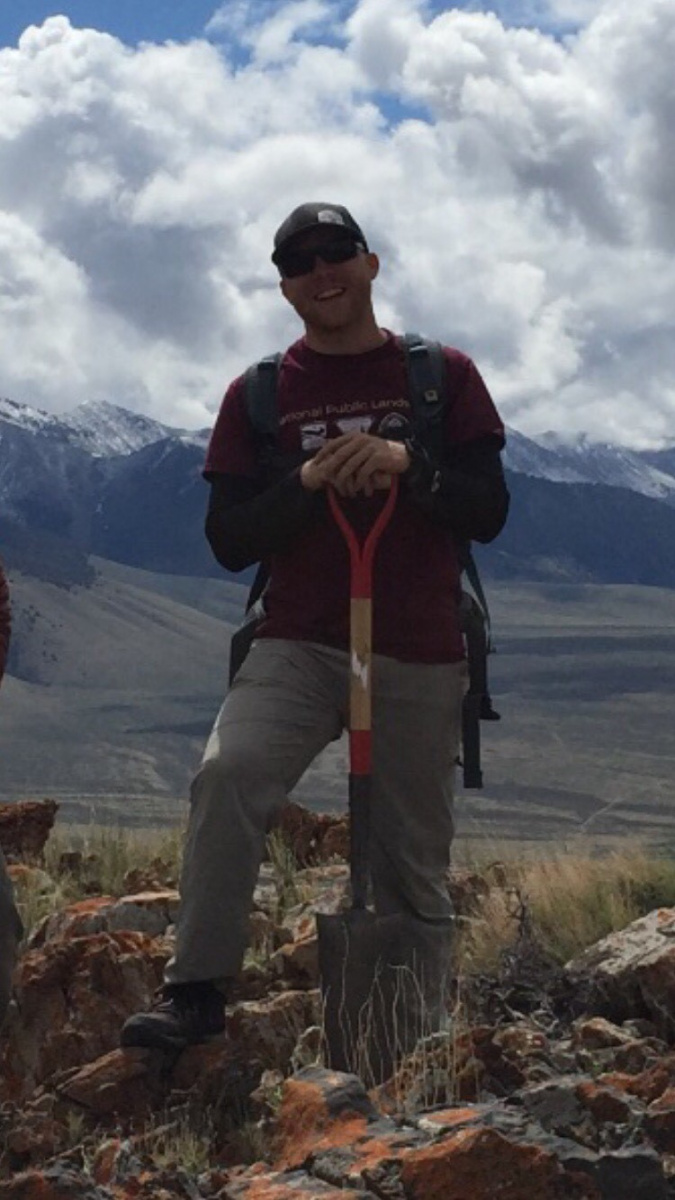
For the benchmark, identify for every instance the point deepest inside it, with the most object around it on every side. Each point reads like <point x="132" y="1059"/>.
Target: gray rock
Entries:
<point x="632" y="1174"/>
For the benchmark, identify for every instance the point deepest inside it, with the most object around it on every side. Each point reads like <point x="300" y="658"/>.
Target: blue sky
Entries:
<point x="134" y="21"/>
<point x="514" y="169"/>
<point x="130" y="20"/>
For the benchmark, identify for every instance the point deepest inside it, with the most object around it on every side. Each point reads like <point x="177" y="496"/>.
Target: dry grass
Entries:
<point x="570" y="902"/>
<point x="575" y="902"/>
<point x="185" y="1142"/>
<point x="290" y="889"/>
<point x="37" y="896"/>
<point x="96" y="860"/>
<point x="109" y="853"/>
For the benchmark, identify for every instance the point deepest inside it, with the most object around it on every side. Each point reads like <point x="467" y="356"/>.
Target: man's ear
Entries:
<point x="374" y="264"/>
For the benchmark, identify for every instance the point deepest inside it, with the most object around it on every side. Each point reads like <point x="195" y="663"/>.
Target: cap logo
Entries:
<point x="328" y="216"/>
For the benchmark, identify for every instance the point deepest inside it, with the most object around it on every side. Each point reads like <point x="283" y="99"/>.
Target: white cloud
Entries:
<point x="527" y="218"/>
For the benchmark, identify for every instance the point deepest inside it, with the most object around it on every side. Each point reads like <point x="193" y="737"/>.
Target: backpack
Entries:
<point x="428" y="395"/>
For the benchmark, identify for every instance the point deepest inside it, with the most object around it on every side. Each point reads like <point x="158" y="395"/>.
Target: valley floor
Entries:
<point x="122" y="682"/>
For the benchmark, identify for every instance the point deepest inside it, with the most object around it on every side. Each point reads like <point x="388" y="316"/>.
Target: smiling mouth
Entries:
<point x="330" y="294"/>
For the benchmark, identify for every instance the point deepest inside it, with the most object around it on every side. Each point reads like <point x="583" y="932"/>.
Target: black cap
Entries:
<point x="316" y="215"/>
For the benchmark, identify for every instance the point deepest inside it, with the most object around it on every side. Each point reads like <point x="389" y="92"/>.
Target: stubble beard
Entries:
<point x="344" y="314"/>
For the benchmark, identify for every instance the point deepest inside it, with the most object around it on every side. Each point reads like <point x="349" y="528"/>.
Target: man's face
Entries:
<point x="328" y="295"/>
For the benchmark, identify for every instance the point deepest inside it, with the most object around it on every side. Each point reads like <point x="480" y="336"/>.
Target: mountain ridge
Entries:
<point x="105" y="429"/>
<point x="104" y="481"/>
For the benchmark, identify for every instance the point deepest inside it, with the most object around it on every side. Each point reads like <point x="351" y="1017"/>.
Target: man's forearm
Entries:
<point x="245" y="525"/>
<point x="466" y="493"/>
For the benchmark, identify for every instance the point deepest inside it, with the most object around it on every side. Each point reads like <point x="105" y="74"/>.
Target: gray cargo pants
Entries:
<point x="288" y="701"/>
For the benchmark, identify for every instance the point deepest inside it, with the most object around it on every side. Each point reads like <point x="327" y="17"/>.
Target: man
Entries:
<point x="344" y="422"/>
<point x="10" y="924"/>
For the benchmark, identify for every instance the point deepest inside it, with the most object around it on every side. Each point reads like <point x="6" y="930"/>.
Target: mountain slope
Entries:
<point x="150" y="511"/>
<point x="583" y="532"/>
<point x="111" y="691"/>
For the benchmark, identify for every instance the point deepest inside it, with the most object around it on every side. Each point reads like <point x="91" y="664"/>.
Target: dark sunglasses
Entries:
<point x="293" y="263"/>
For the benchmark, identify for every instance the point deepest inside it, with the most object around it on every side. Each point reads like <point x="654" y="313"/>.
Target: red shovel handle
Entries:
<point x="360" y="627"/>
<point x="360" y="686"/>
<point x="361" y="557"/>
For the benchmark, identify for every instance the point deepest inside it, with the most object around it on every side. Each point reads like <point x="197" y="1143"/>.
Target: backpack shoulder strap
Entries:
<point x="468" y="565"/>
<point x="260" y="398"/>
<point x="427" y="389"/>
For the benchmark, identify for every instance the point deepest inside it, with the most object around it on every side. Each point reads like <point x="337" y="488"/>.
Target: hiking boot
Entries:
<point x="184" y="1014"/>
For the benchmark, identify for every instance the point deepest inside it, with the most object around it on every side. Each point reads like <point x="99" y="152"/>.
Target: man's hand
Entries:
<point x="315" y="473"/>
<point x="355" y="462"/>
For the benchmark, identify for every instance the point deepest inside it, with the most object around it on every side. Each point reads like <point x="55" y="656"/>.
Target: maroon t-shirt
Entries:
<point x="416" y="573"/>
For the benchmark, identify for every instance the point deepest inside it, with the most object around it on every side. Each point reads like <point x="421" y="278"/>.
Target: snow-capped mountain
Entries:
<point x="105" y="481"/>
<point x="103" y="430"/>
<point x="98" y="427"/>
<point x="647" y="472"/>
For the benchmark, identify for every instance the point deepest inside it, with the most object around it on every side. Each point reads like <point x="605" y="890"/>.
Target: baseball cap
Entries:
<point x="316" y="215"/>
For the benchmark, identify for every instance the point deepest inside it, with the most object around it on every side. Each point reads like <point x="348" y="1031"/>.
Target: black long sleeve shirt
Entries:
<point x="466" y="494"/>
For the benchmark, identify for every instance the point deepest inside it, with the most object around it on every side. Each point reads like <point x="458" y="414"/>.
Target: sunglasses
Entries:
<point x="293" y="263"/>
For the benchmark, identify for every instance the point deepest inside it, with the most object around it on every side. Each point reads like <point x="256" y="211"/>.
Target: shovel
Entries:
<point x="383" y="978"/>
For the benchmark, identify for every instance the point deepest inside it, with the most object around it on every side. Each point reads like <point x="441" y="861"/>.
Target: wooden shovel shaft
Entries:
<point x="360" y="685"/>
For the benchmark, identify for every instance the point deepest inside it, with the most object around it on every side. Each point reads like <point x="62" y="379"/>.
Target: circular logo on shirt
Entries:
<point x="394" y="426"/>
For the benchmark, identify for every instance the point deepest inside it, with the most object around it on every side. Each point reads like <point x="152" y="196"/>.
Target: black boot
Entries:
<point x="184" y="1014"/>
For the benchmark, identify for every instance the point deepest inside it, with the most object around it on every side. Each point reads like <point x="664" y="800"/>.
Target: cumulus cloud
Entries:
<point x="517" y="183"/>
<point x="267" y="29"/>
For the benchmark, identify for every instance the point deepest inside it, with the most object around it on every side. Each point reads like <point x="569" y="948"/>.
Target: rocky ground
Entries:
<point x="552" y="1083"/>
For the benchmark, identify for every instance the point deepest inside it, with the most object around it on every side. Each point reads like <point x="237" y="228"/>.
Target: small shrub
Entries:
<point x="290" y="888"/>
<point x="38" y="895"/>
<point x="187" y="1142"/>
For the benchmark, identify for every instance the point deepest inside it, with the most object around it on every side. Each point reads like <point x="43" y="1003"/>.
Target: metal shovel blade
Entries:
<point x="384" y="983"/>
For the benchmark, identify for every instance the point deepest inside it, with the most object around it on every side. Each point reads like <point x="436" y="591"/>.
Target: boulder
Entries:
<point x="329" y="1127"/>
<point x="631" y="973"/>
<point x="313" y="836"/>
<point x="466" y="1165"/>
<point x="298" y="962"/>
<point x="24" y="829"/>
<point x="147" y="912"/>
<point x="123" y="1084"/>
<point x="660" y="1121"/>
<point x="267" y="1031"/>
<point x="257" y="1183"/>
<point x="54" y="1183"/>
<point x="320" y="1110"/>
<point x="596" y="1033"/>
<point x="72" y="997"/>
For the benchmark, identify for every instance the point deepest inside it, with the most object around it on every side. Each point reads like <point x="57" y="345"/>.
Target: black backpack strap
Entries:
<point x="468" y="565"/>
<point x="260" y="398"/>
<point x="258" y="586"/>
<point x="427" y="389"/>
<point x="429" y="395"/>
